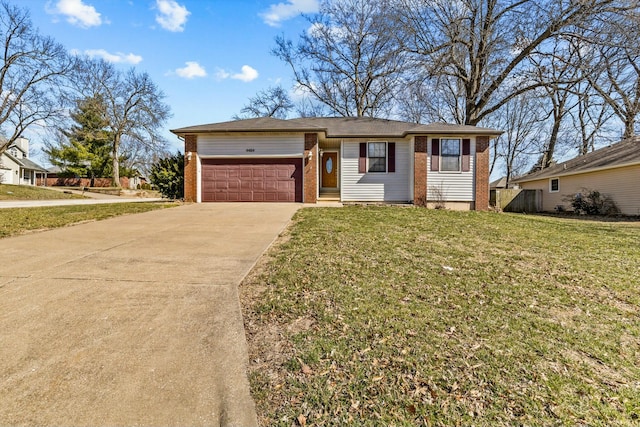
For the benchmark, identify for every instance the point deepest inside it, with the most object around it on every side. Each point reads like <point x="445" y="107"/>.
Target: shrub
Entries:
<point x="439" y="196"/>
<point x="167" y="174"/>
<point x="592" y="202"/>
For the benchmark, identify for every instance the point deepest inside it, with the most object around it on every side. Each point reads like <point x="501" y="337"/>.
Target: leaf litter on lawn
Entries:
<point x="525" y="326"/>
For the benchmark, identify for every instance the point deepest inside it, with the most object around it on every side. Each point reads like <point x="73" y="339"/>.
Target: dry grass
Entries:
<point x="29" y="192"/>
<point x="15" y="221"/>
<point x="391" y="316"/>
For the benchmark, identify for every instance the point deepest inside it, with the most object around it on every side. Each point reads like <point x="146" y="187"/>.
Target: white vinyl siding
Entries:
<point x="251" y="146"/>
<point x="621" y="184"/>
<point x="376" y="186"/>
<point x="454" y="186"/>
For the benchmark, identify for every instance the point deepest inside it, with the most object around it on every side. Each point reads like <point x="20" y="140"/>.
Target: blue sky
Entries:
<point x="207" y="56"/>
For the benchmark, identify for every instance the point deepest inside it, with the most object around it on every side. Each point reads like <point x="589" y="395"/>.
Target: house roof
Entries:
<point x="499" y="183"/>
<point x="25" y="163"/>
<point x="336" y="127"/>
<point x="623" y="153"/>
<point x="261" y="124"/>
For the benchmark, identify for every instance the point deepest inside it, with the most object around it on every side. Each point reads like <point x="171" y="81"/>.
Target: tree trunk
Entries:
<point x="629" y="130"/>
<point x="116" y="163"/>
<point x="547" y="158"/>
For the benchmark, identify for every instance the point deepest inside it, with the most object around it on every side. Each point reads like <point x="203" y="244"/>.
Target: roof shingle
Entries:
<point x="625" y="152"/>
<point x="336" y="127"/>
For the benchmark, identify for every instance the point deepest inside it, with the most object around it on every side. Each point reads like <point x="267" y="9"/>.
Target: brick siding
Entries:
<point x="310" y="168"/>
<point x="482" y="173"/>
<point x="190" y="168"/>
<point x="420" y="171"/>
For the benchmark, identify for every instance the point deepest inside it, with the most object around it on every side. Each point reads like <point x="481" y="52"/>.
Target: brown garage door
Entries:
<point x="252" y="180"/>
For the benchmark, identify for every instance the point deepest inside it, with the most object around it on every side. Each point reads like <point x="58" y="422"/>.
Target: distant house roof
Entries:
<point x="499" y="183"/>
<point x="337" y="127"/>
<point x="623" y="153"/>
<point x="54" y="170"/>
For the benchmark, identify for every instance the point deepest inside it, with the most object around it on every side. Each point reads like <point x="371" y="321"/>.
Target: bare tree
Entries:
<point x="485" y="45"/>
<point x="591" y="118"/>
<point x="425" y="99"/>
<point x="522" y="120"/>
<point x="31" y="74"/>
<point x="557" y="71"/>
<point x="272" y="102"/>
<point x="614" y="68"/>
<point x="308" y="106"/>
<point x="349" y="59"/>
<point x="135" y="107"/>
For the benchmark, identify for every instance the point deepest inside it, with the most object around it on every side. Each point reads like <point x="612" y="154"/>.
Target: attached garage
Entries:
<point x="252" y="180"/>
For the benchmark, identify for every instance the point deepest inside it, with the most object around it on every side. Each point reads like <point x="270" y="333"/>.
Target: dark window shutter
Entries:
<point x="392" y="157"/>
<point x="362" y="161"/>
<point x="466" y="155"/>
<point x="435" y="154"/>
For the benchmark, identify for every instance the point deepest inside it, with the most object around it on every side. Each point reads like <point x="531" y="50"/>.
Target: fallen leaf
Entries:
<point x="305" y="368"/>
<point x="302" y="420"/>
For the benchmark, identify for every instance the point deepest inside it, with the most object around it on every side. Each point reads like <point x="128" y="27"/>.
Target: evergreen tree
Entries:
<point x="167" y="174"/>
<point x="87" y="149"/>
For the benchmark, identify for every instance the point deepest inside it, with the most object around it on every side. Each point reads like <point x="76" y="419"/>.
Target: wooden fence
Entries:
<point x="512" y="200"/>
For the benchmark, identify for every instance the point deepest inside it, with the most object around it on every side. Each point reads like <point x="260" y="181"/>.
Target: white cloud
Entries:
<point x="172" y="15"/>
<point x="280" y="12"/>
<point x="118" y="57"/>
<point x="77" y="13"/>
<point x="222" y="74"/>
<point x="247" y="74"/>
<point x="192" y="70"/>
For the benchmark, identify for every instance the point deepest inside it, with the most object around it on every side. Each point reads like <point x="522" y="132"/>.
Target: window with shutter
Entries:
<point x="377" y="153"/>
<point x="450" y="155"/>
<point x="377" y="157"/>
<point x="435" y="154"/>
<point x="466" y="155"/>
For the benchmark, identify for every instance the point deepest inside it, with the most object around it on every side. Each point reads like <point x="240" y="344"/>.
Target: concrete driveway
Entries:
<point x="133" y="320"/>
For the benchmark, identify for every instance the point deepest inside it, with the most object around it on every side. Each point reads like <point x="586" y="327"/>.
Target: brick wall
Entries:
<point x="190" y="168"/>
<point x="482" y="173"/>
<point x="80" y="182"/>
<point x="310" y="168"/>
<point x="420" y="171"/>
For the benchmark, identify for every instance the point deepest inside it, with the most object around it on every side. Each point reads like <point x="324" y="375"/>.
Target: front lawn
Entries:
<point x="406" y="316"/>
<point x="30" y="192"/>
<point x="15" y="221"/>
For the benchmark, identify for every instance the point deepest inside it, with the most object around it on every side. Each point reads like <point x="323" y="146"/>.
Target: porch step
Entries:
<point x="329" y="197"/>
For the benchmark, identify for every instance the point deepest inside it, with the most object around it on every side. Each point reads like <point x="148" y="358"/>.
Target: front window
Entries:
<point x="450" y="155"/>
<point x="26" y="175"/>
<point x="377" y="154"/>
<point x="554" y="185"/>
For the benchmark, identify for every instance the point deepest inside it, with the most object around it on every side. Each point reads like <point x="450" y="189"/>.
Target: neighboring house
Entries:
<point x="499" y="184"/>
<point x="346" y="159"/>
<point x="613" y="171"/>
<point x="15" y="166"/>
